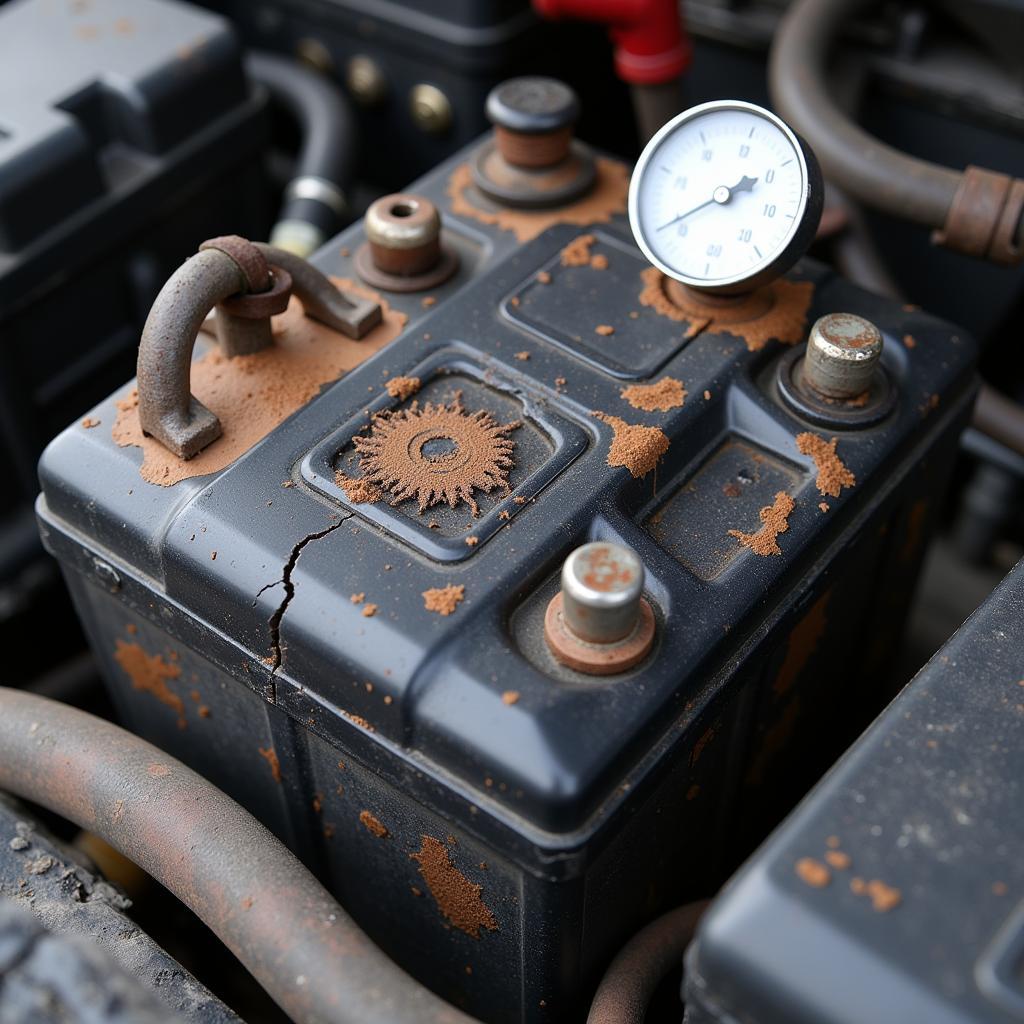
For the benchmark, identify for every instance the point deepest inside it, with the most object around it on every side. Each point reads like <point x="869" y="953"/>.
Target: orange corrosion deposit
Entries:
<point x="883" y="897"/>
<point x="356" y="489"/>
<point x="443" y="600"/>
<point x="252" y="394"/>
<point x="577" y="254"/>
<point x="833" y="476"/>
<point x="269" y="754"/>
<point x="667" y="393"/>
<point x="775" y="518"/>
<point x="403" y="387"/>
<point x="838" y="859"/>
<point x="457" y="898"/>
<point x="776" y="312"/>
<point x="598" y="206"/>
<point x="435" y="454"/>
<point x="150" y="674"/>
<point x="813" y="872"/>
<point x="634" y="446"/>
<point x="373" y="825"/>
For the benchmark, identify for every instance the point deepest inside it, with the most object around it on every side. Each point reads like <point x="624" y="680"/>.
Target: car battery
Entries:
<point x="127" y="129"/>
<point x="895" y="892"/>
<point x="337" y="611"/>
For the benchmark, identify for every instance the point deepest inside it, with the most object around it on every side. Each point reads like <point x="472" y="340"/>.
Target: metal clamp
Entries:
<point x="248" y="282"/>
<point x="986" y="218"/>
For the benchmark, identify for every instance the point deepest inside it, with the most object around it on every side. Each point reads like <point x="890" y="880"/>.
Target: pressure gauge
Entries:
<point x="725" y="197"/>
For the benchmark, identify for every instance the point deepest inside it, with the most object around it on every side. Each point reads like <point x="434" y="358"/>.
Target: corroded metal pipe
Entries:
<point x="629" y="983"/>
<point x="293" y="937"/>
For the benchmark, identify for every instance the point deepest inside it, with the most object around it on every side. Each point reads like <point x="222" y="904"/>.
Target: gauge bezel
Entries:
<point x="805" y="223"/>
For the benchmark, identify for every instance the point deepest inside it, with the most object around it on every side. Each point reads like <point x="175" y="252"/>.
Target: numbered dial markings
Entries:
<point x="719" y="195"/>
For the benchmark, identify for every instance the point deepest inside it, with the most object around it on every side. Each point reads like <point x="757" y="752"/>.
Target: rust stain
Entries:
<point x="775" y="518"/>
<point x="456" y="897"/>
<point x="605" y="199"/>
<point x="444" y="600"/>
<point x="373" y="825"/>
<point x="702" y="742"/>
<point x="151" y="674"/>
<point x="476" y="454"/>
<point x="252" y="394"/>
<point x="802" y="643"/>
<point x="774" y="740"/>
<point x="667" y="393"/>
<point x="269" y="754"/>
<point x="833" y="475"/>
<point x="778" y="312"/>
<point x="604" y="570"/>
<point x="915" y="530"/>
<point x="636" y="447"/>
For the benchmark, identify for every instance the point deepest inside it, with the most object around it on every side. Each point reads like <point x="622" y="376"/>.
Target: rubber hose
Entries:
<point x="290" y="933"/>
<point x="630" y="981"/>
<point x="869" y="170"/>
<point x="316" y="197"/>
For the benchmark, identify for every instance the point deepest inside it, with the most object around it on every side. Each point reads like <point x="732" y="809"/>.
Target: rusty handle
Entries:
<point x="294" y="938"/>
<point x="229" y="268"/>
<point x="167" y="409"/>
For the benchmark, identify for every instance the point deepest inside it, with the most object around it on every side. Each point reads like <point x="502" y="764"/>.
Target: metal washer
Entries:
<point x="836" y="413"/>
<point x="518" y="192"/>
<point x="598" y="659"/>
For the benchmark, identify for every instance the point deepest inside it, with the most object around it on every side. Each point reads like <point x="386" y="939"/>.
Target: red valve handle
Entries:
<point x="650" y="45"/>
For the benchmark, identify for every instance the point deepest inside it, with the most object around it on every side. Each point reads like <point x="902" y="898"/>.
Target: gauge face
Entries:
<point x="725" y="197"/>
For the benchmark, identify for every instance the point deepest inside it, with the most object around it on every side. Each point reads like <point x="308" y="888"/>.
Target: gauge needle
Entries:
<point x="721" y="195"/>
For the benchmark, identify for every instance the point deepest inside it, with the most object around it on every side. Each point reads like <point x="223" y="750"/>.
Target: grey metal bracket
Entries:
<point x="222" y="274"/>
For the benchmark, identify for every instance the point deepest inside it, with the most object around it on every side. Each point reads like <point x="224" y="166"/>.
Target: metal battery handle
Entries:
<point x="248" y="282"/>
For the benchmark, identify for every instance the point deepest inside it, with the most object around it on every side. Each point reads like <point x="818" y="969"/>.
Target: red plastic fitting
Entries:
<point x="650" y="44"/>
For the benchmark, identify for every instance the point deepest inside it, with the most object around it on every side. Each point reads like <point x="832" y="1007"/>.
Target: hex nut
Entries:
<point x="404" y="233"/>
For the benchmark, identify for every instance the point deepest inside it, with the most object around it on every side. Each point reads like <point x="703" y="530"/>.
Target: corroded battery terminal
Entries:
<point x="600" y="623"/>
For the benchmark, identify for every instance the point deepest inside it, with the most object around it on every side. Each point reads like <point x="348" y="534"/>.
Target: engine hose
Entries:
<point x="290" y="933"/>
<point x="315" y="200"/>
<point x="976" y="211"/>
<point x="629" y="983"/>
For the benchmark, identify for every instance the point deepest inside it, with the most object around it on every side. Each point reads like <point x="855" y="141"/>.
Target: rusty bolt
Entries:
<point x="533" y="120"/>
<point x="366" y="81"/>
<point x="315" y="55"/>
<point x="404" y="232"/>
<point x="431" y="110"/>
<point x="842" y="351"/>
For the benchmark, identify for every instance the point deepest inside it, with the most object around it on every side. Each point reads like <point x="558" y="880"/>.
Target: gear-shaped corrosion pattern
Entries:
<point x="437" y="453"/>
